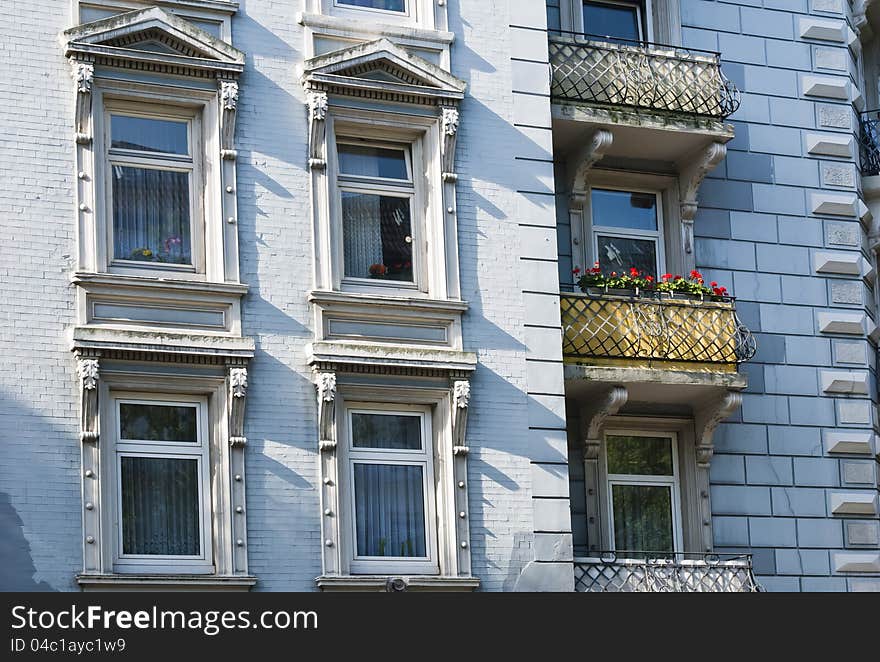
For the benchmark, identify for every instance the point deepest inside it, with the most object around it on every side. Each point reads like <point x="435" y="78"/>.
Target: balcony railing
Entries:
<point x="611" y="572"/>
<point x="653" y="327"/>
<point x="869" y="142"/>
<point x="639" y="75"/>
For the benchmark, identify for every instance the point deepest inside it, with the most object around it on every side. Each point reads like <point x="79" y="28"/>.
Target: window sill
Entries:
<point x="327" y="298"/>
<point x="165" y="583"/>
<point x="146" y="280"/>
<point x="382" y="583"/>
<point x="399" y="27"/>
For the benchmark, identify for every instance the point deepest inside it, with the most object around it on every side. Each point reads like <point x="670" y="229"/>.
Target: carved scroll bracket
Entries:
<point x="228" y="91"/>
<point x="88" y="372"/>
<point x="449" y="133"/>
<point x="595" y="414"/>
<point x="325" y="383"/>
<point x="690" y="178"/>
<point x="238" y="384"/>
<point x="578" y="167"/>
<point x="84" y="75"/>
<point x="707" y="420"/>
<point x="317" y="103"/>
<point x="461" y="395"/>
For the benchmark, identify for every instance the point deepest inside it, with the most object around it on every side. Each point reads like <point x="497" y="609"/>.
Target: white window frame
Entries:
<point x="426" y="220"/>
<point x="191" y="164"/>
<point x="349" y="456"/>
<point x="657" y="236"/>
<point x="672" y="482"/>
<point x="131" y="563"/>
<point x="396" y="188"/>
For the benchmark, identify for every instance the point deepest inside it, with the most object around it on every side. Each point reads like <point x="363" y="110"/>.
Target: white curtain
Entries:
<point x="361" y="233"/>
<point x="151" y="215"/>
<point x="160" y="506"/>
<point x="390" y="509"/>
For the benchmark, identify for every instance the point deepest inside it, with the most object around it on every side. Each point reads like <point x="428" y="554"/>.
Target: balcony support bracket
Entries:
<point x="691" y="175"/>
<point x="596" y="146"/>
<point x="706" y="420"/>
<point x="593" y="417"/>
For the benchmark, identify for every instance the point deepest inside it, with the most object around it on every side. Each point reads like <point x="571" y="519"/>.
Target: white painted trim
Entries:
<point x="593" y="230"/>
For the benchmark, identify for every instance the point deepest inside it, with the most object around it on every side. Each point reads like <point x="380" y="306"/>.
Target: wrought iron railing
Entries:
<point x="869" y="142"/>
<point x="655" y="327"/>
<point x="625" y="572"/>
<point x="618" y="72"/>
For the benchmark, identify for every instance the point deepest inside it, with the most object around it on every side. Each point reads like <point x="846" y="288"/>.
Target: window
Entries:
<point x="162" y="484"/>
<point x="153" y="186"/>
<point x="620" y="20"/>
<point x="627" y="230"/>
<point x="642" y="489"/>
<point x="383" y="5"/>
<point x="390" y="484"/>
<point x="377" y="197"/>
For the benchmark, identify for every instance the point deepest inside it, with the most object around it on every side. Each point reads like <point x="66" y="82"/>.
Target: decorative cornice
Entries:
<point x="598" y="143"/>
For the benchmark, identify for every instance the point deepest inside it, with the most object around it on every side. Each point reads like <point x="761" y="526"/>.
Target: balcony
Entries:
<point x="639" y="75"/>
<point x="653" y="330"/>
<point x="667" y="573"/>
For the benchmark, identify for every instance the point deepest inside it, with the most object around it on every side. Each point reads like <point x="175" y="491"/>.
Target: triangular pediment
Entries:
<point x="385" y="64"/>
<point x="153" y="31"/>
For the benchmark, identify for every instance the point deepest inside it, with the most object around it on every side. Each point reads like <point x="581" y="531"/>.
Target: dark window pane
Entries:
<point x="619" y="254"/>
<point x="390" y="510"/>
<point x="386" y="431"/>
<point x="157" y="422"/>
<point x="388" y="5"/>
<point x="376" y="236"/>
<point x="151" y="215"/>
<point x="648" y="456"/>
<point x="368" y="161"/>
<point x="148" y="135"/>
<point x="624" y="209"/>
<point x="642" y="518"/>
<point x="610" y="20"/>
<point x="160" y="506"/>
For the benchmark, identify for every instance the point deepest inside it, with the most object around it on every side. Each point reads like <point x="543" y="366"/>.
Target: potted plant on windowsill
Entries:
<point x="636" y="283"/>
<point x="378" y="270"/>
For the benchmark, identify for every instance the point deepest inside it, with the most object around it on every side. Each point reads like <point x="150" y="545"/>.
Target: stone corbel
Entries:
<point x="449" y="131"/>
<point x="84" y="74"/>
<point x="690" y="177"/>
<point x="593" y="417"/>
<point x="706" y="420"/>
<point x="87" y="371"/>
<point x="238" y="384"/>
<point x="461" y="395"/>
<point x="578" y="168"/>
<point x="317" y="103"/>
<point x="860" y="18"/>
<point x="228" y="91"/>
<point x="325" y="383"/>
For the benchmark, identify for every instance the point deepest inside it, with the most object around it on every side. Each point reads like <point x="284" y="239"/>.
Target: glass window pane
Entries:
<point x="160" y="506"/>
<point x="148" y="135"/>
<point x="648" y="456"/>
<point x="388" y="5"/>
<point x="624" y="209"/>
<point x="611" y="20"/>
<point x="389" y="510"/>
<point x="368" y="161"/>
<point x="157" y="422"/>
<point x="376" y="236"/>
<point x="393" y="431"/>
<point x="619" y="254"/>
<point x="151" y="215"/>
<point x="642" y="518"/>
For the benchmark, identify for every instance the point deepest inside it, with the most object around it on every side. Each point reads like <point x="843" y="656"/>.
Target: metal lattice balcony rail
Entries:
<point x="639" y="75"/>
<point x="612" y="572"/>
<point x="654" y="326"/>
<point x="869" y="142"/>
